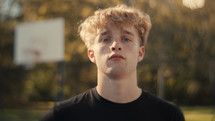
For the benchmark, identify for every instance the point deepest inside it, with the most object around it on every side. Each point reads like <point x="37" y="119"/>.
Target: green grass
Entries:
<point x="21" y="114"/>
<point x="30" y="112"/>
<point x="197" y="113"/>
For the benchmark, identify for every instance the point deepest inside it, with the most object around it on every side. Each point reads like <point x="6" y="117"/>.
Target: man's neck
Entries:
<point x="119" y="90"/>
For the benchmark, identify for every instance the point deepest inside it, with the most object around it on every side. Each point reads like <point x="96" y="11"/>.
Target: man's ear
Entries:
<point x="141" y="53"/>
<point x="91" y="56"/>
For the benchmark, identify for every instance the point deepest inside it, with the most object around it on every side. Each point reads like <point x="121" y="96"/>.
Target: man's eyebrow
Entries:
<point x="127" y="32"/>
<point x="105" y="33"/>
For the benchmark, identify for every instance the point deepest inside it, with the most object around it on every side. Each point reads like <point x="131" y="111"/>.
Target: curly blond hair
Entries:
<point x="119" y="15"/>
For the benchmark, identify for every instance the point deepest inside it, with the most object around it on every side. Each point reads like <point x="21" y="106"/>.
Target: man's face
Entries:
<point x="116" y="50"/>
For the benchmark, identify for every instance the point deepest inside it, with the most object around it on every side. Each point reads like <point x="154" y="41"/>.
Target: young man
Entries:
<point x="115" y="39"/>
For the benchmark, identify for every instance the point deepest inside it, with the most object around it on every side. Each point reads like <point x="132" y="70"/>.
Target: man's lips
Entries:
<point x="116" y="56"/>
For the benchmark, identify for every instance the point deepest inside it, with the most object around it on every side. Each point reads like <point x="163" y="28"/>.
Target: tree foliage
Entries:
<point x="181" y="42"/>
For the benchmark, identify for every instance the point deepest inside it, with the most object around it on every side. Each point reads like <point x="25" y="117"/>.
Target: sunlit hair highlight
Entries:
<point x="119" y="15"/>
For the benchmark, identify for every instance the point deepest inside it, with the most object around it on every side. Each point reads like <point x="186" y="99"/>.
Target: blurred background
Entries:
<point x="179" y="64"/>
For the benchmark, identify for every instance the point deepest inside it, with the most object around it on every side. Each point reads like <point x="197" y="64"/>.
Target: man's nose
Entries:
<point x="116" y="46"/>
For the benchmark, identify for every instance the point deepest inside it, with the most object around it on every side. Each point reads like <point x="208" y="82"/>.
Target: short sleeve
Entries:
<point x="49" y="115"/>
<point x="178" y="115"/>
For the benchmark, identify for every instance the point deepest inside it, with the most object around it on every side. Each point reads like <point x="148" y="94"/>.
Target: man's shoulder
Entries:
<point x="163" y="107"/>
<point x="155" y="100"/>
<point x="75" y="101"/>
<point x="69" y="109"/>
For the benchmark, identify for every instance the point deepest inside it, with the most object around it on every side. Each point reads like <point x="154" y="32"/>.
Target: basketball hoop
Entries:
<point x="43" y="39"/>
<point x="32" y="57"/>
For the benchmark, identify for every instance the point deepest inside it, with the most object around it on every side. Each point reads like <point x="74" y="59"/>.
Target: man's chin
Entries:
<point x="116" y="72"/>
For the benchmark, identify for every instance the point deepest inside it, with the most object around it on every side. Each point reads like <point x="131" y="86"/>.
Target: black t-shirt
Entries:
<point x="90" y="106"/>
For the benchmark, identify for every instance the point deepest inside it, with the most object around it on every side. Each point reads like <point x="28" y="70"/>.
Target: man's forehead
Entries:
<point x="125" y="30"/>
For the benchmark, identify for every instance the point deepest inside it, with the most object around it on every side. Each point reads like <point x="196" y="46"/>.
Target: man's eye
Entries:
<point x="126" y="39"/>
<point x="106" y="40"/>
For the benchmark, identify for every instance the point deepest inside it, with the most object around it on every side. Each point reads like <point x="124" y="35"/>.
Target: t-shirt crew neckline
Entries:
<point x="131" y="104"/>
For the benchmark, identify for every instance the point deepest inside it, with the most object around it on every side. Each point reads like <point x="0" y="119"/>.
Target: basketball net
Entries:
<point x="32" y="57"/>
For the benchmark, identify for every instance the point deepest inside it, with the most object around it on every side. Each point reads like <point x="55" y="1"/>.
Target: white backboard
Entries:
<point x="37" y="42"/>
<point x="194" y="4"/>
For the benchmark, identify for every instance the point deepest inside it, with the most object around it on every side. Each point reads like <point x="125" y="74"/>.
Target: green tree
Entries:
<point x="181" y="42"/>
